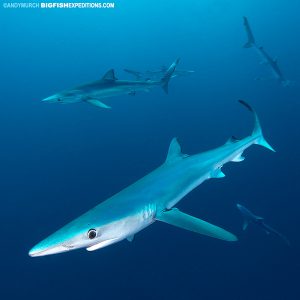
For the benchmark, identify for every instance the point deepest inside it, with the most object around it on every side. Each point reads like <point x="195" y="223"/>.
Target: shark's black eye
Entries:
<point x="58" y="99"/>
<point x="92" y="233"/>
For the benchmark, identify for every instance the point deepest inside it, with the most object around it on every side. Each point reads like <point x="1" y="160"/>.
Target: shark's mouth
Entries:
<point x="51" y="250"/>
<point x="102" y="244"/>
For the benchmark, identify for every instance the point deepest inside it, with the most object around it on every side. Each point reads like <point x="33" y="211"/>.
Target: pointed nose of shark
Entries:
<point x="40" y="250"/>
<point x="51" y="99"/>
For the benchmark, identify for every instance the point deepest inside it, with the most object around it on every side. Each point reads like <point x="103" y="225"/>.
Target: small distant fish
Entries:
<point x="249" y="217"/>
<point x="110" y="86"/>
<point x="266" y="58"/>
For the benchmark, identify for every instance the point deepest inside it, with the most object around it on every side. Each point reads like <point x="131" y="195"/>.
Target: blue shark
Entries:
<point x="153" y="198"/>
<point x="153" y="74"/>
<point x="109" y="86"/>
<point x="265" y="57"/>
<point x="250" y="217"/>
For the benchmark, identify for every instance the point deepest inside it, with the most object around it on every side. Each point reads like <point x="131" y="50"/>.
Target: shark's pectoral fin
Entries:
<point x="179" y="219"/>
<point x="97" y="103"/>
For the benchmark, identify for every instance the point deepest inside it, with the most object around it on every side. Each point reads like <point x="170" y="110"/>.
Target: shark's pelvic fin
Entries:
<point x="217" y="173"/>
<point x="109" y="75"/>
<point x="257" y="131"/>
<point x="97" y="103"/>
<point x="179" y="219"/>
<point x="174" y="152"/>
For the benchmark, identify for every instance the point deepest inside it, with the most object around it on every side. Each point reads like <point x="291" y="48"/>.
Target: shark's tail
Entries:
<point x="168" y="75"/>
<point x="257" y="131"/>
<point x="251" y="41"/>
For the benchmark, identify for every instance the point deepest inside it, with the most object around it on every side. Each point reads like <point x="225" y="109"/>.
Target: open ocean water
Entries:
<point x="58" y="161"/>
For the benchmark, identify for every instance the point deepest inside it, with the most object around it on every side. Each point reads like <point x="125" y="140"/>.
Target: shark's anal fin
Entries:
<point x="239" y="158"/>
<point x="97" y="103"/>
<point x="179" y="219"/>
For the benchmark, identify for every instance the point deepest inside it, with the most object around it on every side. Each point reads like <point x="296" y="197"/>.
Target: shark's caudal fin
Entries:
<point x="251" y="41"/>
<point x="168" y="75"/>
<point x="257" y="131"/>
<point x="179" y="219"/>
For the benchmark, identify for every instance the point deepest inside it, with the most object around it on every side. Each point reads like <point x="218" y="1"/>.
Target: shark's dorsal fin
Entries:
<point x="174" y="152"/>
<point x="109" y="75"/>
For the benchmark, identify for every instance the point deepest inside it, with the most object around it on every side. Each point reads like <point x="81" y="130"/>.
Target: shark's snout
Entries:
<point x="52" y="99"/>
<point x="55" y="243"/>
<point x="42" y="251"/>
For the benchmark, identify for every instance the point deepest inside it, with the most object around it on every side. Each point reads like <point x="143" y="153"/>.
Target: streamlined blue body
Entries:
<point x="156" y="74"/>
<point x="152" y="198"/>
<point x="250" y="217"/>
<point x="109" y="86"/>
<point x="265" y="57"/>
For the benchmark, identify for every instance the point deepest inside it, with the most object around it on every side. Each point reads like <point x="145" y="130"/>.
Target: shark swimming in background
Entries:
<point x="249" y="217"/>
<point x="266" y="58"/>
<point x="152" y="198"/>
<point x="109" y="86"/>
<point x="157" y="73"/>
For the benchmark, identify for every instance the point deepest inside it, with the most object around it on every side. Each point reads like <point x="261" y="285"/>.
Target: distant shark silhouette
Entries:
<point x="109" y="86"/>
<point x="152" y="198"/>
<point x="266" y="58"/>
<point x="249" y="217"/>
<point x="154" y="74"/>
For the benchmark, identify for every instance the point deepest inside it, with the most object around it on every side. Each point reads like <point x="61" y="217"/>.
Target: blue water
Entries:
<point x="57" y="161"/>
